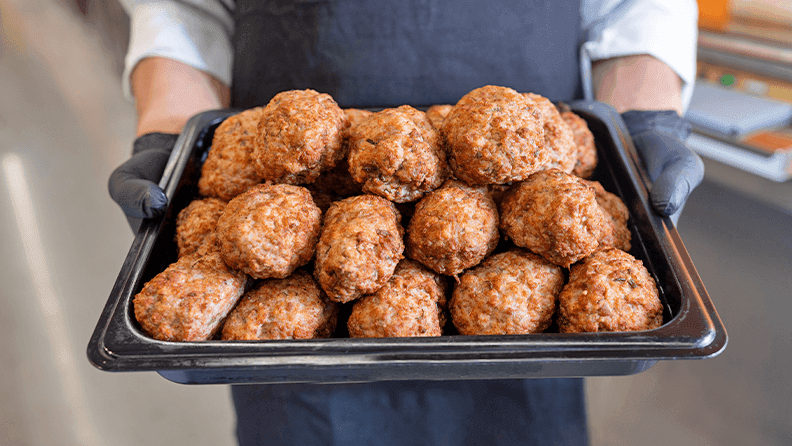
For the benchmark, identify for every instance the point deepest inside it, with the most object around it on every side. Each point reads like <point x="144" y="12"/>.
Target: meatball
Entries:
<point x="412" y="303"/>
<point x="617" y="234"/>
<point x="290" y="308"/>
<point x="609" y="291"/>
<point x="355" y="116"/>
<point x="554" y="214"/>
<point x="396" y="153"/>
<point x="300" y="134"/>
<point x="437" y="114"/>
<point x="584" y="140"/>
<point x="494" y="135"/>
<point x="558" y="137"/>
<point x="228" y="170"/>
<point x="196" y="224"/>
<point x="270" y="230"/>
<point x="513" y="292"/>
<point x="190" y="298"/>
<point x="359" y="247"/>
<point x="453" y="228"/>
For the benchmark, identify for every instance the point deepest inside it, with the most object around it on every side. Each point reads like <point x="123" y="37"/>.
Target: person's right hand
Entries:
<point x="133" y="184"/>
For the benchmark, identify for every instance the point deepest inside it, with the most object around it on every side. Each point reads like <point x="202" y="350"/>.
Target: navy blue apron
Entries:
<point x="389" y="53"/>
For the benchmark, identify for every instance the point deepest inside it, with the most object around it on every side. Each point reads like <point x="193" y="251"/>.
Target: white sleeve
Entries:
<point x="195" y="32"/>
<point x="664" y="29"/>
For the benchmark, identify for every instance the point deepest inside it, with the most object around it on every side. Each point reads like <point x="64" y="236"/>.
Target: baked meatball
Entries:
<point x="453" y="228"/>
<point x="359" y="247"/>
<point x="513" y="292"/>
<point x="584" y="140"/>
<point x="355" y="116"/>
<point x="617" y="234"/>
<point x="290" y="308"/>
<point x="554" y="214"/>
<point x="609" y="291"/>
<point x="494" y="135"/>
<point x="437" y="114"/>
<point x="270" y="230"/>
<point x="558" y="137"/>
<point x="300" y="134"/>
<point x="196" y="224"/>
<point x="190" y="298"/>
<point x="412" y="303"/>
<point x="228" y="170"/>
<point x="396" y="153"/>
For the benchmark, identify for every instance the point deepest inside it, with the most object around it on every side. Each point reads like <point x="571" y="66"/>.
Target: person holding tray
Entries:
<point x="190" y="56"/>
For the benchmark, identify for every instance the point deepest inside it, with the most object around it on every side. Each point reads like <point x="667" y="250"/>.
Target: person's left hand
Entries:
<point x="674" y="169"/>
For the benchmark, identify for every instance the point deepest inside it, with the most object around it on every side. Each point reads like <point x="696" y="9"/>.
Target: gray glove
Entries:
<point x="133" y="185"/>
<point x="673" y="168"/>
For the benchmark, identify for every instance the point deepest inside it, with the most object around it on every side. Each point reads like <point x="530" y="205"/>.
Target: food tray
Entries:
<point x="692" y="328"/>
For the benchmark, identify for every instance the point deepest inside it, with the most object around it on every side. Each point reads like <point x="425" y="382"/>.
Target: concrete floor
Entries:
<point x="64" y="126"/>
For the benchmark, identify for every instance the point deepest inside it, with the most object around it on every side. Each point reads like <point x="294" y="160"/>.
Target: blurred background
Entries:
<point x="64" y="126"/>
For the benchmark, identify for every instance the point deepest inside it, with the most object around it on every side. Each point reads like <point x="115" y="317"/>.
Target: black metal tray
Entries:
<point x="692" y="328"/>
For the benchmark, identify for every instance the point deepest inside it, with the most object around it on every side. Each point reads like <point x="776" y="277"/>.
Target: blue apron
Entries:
<point x="389" y="53"/>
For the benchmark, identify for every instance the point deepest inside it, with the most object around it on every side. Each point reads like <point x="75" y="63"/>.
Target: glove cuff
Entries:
<point x="157" y="141"/>
<point x="661" y="121"/>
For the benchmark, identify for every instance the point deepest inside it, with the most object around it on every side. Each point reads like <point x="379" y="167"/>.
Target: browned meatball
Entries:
<point x="359" y="247"/>
<point x="617" y="234"/>
<point x="584" y="139"/>
<point x="412" y="303"/>
<point x="228" y="170"/>
<point x="513" y="292"/>
<point x="609" y="291"/>
<point x="494" y="136"/>
<point x="558" y="136"/>
<point x="290" y="308"/>
<point x="300" y="134"/>
<point x="188" y="301"/>
<point x="554" y="214"/>
<point x="270" y="230"/>
<point x="396" y="153"/>
<point x="355" y="116"/>
<point x="196" y="224"/>
<point x="437" y="114"/>
<point x="453" y="228"/>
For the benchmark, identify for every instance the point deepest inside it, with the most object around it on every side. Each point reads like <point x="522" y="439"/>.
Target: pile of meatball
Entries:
<point x="476" y="218"/>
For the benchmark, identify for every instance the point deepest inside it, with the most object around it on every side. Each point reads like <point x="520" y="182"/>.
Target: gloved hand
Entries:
<point x="133" y="185"/>
<point x="673" y="168"/>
